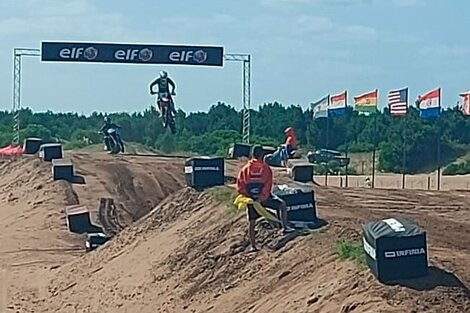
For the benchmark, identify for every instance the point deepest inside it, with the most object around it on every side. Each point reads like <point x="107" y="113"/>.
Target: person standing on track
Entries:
<point x="255" y="180"/>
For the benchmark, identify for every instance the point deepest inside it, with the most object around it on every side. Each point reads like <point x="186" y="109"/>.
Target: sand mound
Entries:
<point x="137" y="184"/>
<point x="34" y="236"/>
<point x="190" y="255"/>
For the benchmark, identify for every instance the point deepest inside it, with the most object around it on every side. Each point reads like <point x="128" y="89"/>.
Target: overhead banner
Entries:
<point x="131" y="53"/>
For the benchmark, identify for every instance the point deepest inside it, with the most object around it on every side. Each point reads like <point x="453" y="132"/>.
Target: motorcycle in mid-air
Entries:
<point x="113" y="141"/>
<point x="164" y="100"/>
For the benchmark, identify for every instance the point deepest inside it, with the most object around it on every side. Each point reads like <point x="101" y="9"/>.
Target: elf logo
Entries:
<point x="131" y="54"/>
<point x="89" y="53"/>
<point x="198" y="56"/>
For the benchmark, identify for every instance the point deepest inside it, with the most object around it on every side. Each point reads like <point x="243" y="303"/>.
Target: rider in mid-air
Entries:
<point x="108" y="124"/>
<point x="163" y="82"/>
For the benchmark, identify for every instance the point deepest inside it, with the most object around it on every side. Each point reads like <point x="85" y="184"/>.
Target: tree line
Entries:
<point x="214" y="131"/>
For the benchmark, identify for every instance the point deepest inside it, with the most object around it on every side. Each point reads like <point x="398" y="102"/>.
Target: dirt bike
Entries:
<point x="165" y="100"/>
<point x="113" y="141"/>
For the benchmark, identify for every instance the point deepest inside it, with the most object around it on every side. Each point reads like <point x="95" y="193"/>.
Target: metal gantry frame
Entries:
<point x="246" y="59"/>
<point x="18" y="53"/>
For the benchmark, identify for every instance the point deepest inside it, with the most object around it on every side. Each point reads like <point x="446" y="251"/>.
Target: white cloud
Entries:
<point x="50" y="19"/>
<point x="314" y="29"/>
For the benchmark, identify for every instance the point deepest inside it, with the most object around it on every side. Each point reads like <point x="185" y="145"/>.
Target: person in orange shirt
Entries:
<point x="255" y="180"/>
<point x="291" y="140"/>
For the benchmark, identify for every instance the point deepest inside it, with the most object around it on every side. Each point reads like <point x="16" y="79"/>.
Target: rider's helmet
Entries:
<point x="107" y="120"/>
<point x="288" y="130"/>
<point x="163" y="74"/>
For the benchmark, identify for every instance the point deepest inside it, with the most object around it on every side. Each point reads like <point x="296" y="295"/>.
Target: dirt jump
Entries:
<point x="186" y="251"/>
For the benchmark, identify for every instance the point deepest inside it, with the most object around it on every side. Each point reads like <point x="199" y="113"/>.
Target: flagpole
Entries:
<point x="439" y="144"/>
<point x="327" y="139"/>
<point x="346" y="141"/>
<point x="375" y="142"/>
<point x="403" y="160"/>
<point x="403" y="135"/>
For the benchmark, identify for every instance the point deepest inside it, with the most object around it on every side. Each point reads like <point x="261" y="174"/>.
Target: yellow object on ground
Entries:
<point x="242" y="203"/>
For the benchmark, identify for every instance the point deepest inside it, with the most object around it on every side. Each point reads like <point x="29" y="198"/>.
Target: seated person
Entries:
<point x="255" y="180"/>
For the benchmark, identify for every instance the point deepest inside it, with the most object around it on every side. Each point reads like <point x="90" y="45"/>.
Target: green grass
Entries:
<point x="349" y="250"/>
<point x="224" y="195"/>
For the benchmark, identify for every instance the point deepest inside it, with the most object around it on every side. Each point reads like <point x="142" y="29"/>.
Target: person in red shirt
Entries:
<point x="291" y="140"/>
<point x="255" y="180"/>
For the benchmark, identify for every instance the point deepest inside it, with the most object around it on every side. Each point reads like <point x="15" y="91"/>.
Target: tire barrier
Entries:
<point x="62" y="169"/>
<point x="203" y="172"/>
<point x="239" y="150"/>
<point x="395" y="249"/>
<point x="50" y="151"/>
<point x="301" y="206"/>
<point x="300" y="170"/>
<point x="79" y="221"/>
<point x="31" y="145"/>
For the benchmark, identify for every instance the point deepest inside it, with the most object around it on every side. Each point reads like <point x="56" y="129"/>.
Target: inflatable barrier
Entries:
<point x="50" y="151"/>
<point x="268" y="150"/>
<point x="300" y="170"/>
<point x="203" y="172"/>
<point x="63" y="170"/>
<point x="32" y="145"/>
<point x="239" y="150"/>
<point x="395" y="249"/>
<point x="301" y="206"/>
<point x="11" y="151"/>
<point x="79" y="221"/>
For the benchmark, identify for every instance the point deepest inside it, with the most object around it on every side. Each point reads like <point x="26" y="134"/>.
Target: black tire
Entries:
<point x="114" y="145"/>
<point x="172" y="126"/>
<point x="165" y="118"/>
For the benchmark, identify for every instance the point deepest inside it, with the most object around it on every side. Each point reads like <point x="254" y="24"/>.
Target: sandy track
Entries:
<point x="189" y="254"/>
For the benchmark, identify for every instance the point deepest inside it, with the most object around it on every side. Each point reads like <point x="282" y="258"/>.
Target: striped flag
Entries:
<point x="429" y="104"/>
<point x="466" y="102"/>
<point x="367" y="102"/>
<point x="398" y="102"/>
<point x="320" y="108"/>
<point x="338" y="104"/>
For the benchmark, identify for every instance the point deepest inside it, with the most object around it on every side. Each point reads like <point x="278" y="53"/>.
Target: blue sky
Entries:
<point x="301" y="49"/>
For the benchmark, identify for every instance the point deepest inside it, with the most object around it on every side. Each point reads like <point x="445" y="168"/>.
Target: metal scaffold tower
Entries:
<point x="18" y="53"/>
<point x="246" y="59"/>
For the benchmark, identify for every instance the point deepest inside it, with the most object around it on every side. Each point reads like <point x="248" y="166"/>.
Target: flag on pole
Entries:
<point x="398" y="102"/>
<point x="466" y="102"/>
<point x="320" y="108"/>
<point x="367" y="102"/>
<point x="338" y="105"/>
<point x="429" y="104"/>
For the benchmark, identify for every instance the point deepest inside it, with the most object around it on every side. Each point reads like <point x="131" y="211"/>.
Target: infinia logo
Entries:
<point x="403" y="253"/>
<point x="206" y="168"/>
<point x="303" y="206"/>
